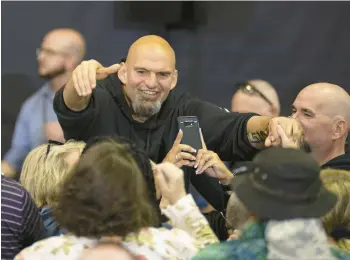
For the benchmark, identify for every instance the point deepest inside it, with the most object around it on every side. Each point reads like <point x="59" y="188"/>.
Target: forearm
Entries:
<point x="257" y="130"/>
<point x="185" y="215"/>
<point x="71" y="98"/>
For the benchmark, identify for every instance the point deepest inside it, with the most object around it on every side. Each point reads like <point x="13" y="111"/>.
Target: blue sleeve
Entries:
<point x="20" y="144"/>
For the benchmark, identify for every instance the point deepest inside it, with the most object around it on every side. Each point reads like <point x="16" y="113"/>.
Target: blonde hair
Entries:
<point x="338" y="182"/>
<point x="43" y="173"/>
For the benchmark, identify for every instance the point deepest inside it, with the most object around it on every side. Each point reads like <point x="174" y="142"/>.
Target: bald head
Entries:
<point x="60" y="52"/>
<point x="268" y="90"/>
<point x="244" y="102"/>
<point x="68" y="41"/>
<point x="154" y="45"/>
<point x="323" y="109"/>
<point x="330" y="99"/>
<point x="148" y="75"/>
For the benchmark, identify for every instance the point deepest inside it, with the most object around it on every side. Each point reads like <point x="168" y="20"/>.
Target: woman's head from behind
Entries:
<point x="105" y="194"/>
<point x="138" y="154"/>
<point x="337" y="221"/>
<point x="45" y="169"/>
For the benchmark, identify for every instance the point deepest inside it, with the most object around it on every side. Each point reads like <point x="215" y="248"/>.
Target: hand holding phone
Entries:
<point x="181" y="154"/>
<point x="189" y="125"/>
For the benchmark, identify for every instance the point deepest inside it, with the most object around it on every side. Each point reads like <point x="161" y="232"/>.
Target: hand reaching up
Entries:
<point x="170" y="181"/>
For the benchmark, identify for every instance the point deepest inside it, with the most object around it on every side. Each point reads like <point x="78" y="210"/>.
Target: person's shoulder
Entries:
<point x="167" y="243"/>
<point x="339" y="253"/>
<point x="159" y="235"/>
<point x="222" y="251"/>
<point x="33" y="100"/>
<point x="178" y="98"/>
<point x="234" y="249"/>
<point x="57" y="247"/>
<point x="10" y="186"/>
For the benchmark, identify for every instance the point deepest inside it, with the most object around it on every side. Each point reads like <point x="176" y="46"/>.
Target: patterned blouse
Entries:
<point x="191" y="232"/>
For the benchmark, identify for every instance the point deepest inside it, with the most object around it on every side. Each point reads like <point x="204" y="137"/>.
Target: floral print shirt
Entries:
<point x="190" y="233"/>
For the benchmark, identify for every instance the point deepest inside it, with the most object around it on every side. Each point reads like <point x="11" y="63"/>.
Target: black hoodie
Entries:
<point x="341" y="162"/>
<point x="109" y="114"/>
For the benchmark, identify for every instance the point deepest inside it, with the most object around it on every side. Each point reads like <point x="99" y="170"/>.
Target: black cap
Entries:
<point x="284" y="184"/>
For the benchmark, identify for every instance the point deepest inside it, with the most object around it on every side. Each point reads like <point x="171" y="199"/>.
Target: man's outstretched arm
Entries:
<point x="262" y="131"/>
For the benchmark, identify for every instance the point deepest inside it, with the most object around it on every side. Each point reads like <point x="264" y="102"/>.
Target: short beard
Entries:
<point x="54" y="73"/>
<point x="141" y="110"/>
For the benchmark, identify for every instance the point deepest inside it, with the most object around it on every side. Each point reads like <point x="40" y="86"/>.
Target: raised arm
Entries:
<point x="78" y="90"/>
<point x="182" y="211"/>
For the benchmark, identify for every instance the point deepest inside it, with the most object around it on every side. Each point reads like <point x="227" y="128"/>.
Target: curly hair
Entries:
<point x="138" y="154"/>
<point x="338" y="219"/>
<point x="105" y="194"/>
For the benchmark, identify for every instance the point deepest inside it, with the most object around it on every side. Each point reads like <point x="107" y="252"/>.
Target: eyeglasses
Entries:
<point x="49" y="52"/>
<point x="50" y="143"/>
<point x="249" y="89"/>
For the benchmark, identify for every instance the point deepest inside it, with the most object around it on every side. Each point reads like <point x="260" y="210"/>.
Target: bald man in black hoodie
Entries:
<point x="137" y="100"/>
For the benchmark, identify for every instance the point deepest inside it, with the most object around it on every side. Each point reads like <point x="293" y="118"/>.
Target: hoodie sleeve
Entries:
<point x="224" y="132"/>
<point x="89" y="122"/>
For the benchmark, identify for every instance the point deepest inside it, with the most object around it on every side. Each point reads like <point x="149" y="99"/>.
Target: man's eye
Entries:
<point x="164" y="74"/>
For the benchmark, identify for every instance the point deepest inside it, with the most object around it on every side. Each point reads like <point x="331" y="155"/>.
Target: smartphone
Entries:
<point x="191" y="131"/>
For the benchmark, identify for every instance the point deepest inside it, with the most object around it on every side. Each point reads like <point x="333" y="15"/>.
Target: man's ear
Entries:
<point x="122" y="73"/>
<point x="174" y="80"/>
<point x="70" y="64"/>
<point x="340" y="127"/>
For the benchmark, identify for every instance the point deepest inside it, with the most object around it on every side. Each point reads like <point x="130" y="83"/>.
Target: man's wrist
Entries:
<point x="227" y="179"/>
<point x="258" y="130"/>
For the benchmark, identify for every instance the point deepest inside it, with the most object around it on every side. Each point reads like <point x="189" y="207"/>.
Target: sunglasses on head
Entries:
<point x="249" y="89"/>
<point x="50" y="143"/>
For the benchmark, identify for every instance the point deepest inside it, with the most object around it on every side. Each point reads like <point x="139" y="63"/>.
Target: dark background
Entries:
<point x="290" y="44"/>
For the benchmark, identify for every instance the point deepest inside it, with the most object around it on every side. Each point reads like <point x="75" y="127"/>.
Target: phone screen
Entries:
<point x="191" y="131"/>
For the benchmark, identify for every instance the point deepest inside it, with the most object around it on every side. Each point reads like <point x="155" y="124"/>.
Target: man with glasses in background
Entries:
<point x="60" y="52"/>
<point x="256" y="96"/>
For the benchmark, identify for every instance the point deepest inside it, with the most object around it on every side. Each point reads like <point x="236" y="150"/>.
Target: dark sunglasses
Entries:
<point x="249" y="89"/>
<point x="50" y="143"/>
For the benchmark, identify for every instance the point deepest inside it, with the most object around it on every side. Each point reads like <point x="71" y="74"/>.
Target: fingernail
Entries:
<point x="196" y="165"/>
<point x="197" y="172"/>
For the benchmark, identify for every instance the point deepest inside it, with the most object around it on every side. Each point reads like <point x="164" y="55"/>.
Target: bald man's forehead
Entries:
<point x="316" y="101"/>
<point x="151" y="57"/>
<point x="306" y="100"/>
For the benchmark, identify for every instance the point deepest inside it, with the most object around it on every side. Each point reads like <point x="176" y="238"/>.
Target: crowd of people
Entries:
<point x="103" y="173"/>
